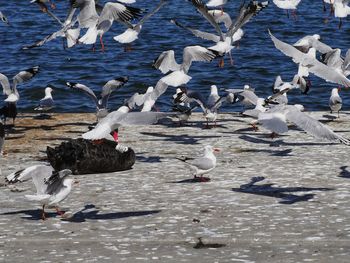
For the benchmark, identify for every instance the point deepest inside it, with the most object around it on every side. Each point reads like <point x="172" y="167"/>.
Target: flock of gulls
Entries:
<point x="87" y="22"/>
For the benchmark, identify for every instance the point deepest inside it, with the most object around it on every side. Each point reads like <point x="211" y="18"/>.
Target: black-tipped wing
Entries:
<point x="84" y="89"/>
<point x="109" y="87"/>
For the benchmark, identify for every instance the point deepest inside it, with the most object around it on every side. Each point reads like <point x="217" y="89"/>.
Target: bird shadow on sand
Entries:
<point x="284" y="193"/>
<point x="278" y="142"/>
<point x="148" y="159"/>
<point x="89" y="212"/>
<point x="344" y="173"/>
<point x="191" y="180"/>
<point x="286" y="152"/>
<point x="181" y="138"/>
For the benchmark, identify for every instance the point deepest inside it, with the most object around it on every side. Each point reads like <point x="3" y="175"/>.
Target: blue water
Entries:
<point x="257" y="62"/>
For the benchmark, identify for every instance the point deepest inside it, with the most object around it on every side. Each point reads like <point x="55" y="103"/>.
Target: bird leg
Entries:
<point x="53" y="6"/>
<point x="127" y="48"/>
<point x="340" y="23"/>
<point x="255" y="128"/>
<point x="324" y="7"/>
<point x="231" y="59"/>
<point x="93" y="48"/>
<point x="102" y="45"/>
<point x="332" y="10"/>
<point x="59" y="211"/>
<point x="287" y="13"/>
<point x="294" y="14"/>
<point x="43" y="217"/>
<point x="338" y="115"/>
<point x="221" y="63"/>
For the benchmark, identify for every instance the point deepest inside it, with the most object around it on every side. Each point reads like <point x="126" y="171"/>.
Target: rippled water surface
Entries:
<point x="256" y="61"/>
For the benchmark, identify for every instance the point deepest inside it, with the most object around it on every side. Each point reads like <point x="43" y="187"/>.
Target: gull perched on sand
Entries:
<point x="202" y="165"/>
<point x="275" y="120"/>
<point x="111" y="12"/>
<point x="51" y="188"/>
<point x="107" y="89"/>
<point x="166" y="62"/>
<point x="3" y="18"/>
<point x="47" y="102"/>
<point x="335" y="101"/>
<point x="309" y="63"/>
<point x="131" y="34"/>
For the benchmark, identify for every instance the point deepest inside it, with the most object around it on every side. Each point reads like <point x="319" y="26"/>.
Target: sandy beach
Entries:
<point x="300" y="212"/>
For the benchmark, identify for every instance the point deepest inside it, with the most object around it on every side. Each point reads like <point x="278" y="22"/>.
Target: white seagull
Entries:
<point x="335" y="101"/>
<point x="341" y="10"/>
<point x="131" y="34"/>
<point x="51" y="188"/>
<point x="287" y="5"/>
<point x="275" y="120"/>
<point x="309" y="63"/>
<point x="47" y="102"/>
<point x="204" y="164"/>
<point x="102" y="102"/>
<point x="111" y="12"/>
<point x="166" y="62"/>
<point x="307" y="42"/>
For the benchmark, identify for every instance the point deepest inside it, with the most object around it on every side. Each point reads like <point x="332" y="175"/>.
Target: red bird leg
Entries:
<point x="43" y="217"/>
<point x="59" y="211"/>
<point x="102" y="45"/>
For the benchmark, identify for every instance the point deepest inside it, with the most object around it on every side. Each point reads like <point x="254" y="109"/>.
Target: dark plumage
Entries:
<point x="9" y="111"/>
<point x="84" y="156"/>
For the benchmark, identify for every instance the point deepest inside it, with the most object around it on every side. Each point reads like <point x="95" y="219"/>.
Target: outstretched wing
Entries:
<point x="198" y="33"/>
<point x="84" y="89"/>
<point x="109" y="87"/>
<point x="4" y="81"/>
<point x="166" y="62"/>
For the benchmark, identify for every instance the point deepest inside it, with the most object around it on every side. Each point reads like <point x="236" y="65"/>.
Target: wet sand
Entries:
<point x="300" y="212"/>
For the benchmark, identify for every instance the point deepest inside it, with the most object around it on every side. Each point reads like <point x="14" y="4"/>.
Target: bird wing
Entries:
<point x="195" y="53"/>
<point x="245" y="14"/>
<point x="346" y="63"/>
<point x="24" y="76"/>
<point x="87" y="16"/>
<point x="84" y="89"/>
<point x="198" y="33"/>
<point x="203" y="10"/>
<point x="109" y="87"/>
<point x="54" y="183"/>
<point x="201" y="163"/>
<point x="312" y="126"/>
<point x="26" y="174"/>
<point x="278" y="82"/>
<point x="320" y="46"/>
<point x="149" y="14"/>
<point x="118" y="12"/>
<point x="192" y="96"/>
<point x="45" y="103"/>
<point x="166" y="62"/>
<point x="4" y="81"/>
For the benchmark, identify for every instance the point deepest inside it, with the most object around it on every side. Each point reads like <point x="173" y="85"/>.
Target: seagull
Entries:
<point x="341" y="10"/>
<point x="122" y="117"/>
<point x="275" y="120"/>
<point x="246" y="96"/>
<point x="47" y="102"/>
<point x="3" y="18"/>
<point x="202" y="165"/>
<point x="209" y="106"/>
<point x="335" y="101"/>
<point x="304" y="44"/>
<point x="309" y="63"/>
<point x="2" y="137"/>
<point x="51" y="188"/>
<point x="10" y="109"/>
<point x="107" y="89"/>
<point x="131" y="34"/>
<point x="111" y="12"/>
<point x="288" y="5"/>
<point x="166" y="62"/>
<point x="224" y="41"/>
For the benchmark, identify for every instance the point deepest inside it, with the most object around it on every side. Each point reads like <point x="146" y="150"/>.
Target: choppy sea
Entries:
<point x="256" y="61"/>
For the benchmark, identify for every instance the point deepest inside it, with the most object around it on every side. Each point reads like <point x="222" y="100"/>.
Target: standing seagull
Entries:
<point x="335" y="101"/>
<point x="131" y="34"/>
<point x="107" y="89"/>
<point x="341" y="10"/>
<point x="51" y="188"/>
<point x="47" y="102"/>
<point x="202" y="165"/>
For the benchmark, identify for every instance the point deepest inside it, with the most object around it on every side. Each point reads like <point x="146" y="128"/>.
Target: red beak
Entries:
<point x="216" y="150"/>
<point x="115" y="136"/>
